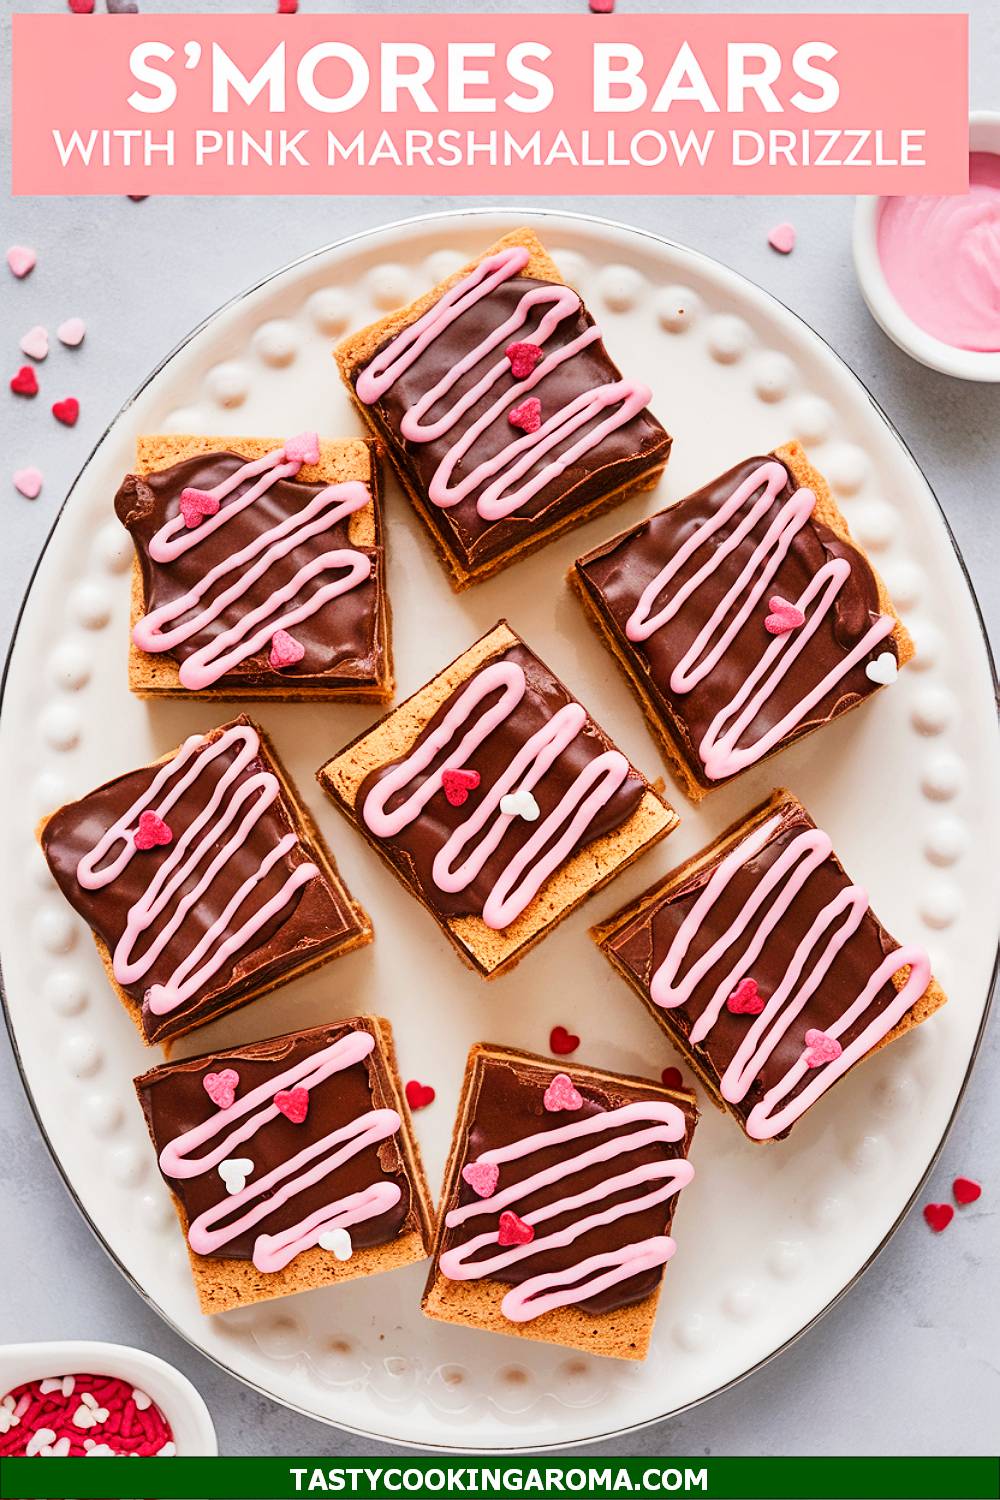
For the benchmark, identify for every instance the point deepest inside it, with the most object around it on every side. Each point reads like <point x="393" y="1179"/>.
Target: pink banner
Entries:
<point x="522" y="104"/>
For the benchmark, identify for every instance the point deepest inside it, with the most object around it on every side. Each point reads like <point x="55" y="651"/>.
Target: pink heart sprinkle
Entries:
<point x="782" y="238"/>
<point x="35" y="343"/>
<point x="527" y="416"/>
<point x="561" y="1094"/>
<point x="457" y="784"/>
<point x="196" y="505"/>
<point x="72" y="332"/>
<point x="21" y="259"/>
<point x="513" y="1230"/>
<point x="482" y="1177"/>
<point x="285" y="650"/>
<point x="821" y="1048"/>
<point x="152" y="831"/>
<point x="523" y="358"/>
<point x="302" y="449"/>
<point x="783" y="617"/>
<point x="221" y="1087"/>
<point x="602" y="7"/>
<point x="28" y="482"/>
<point x="746" y="999"/>
<point x="293" y="1104"/>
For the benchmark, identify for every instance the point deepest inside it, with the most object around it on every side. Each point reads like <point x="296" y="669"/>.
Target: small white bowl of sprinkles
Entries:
<point x="80" y="1399"/>
<point x="929" y="268"/>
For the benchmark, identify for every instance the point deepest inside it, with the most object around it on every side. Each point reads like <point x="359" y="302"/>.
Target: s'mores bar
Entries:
<point x="204" y="880"/>
<point x="502" y="412"/>
<point x="259" y="571"/>
<point x="767" y="968"/>
<point x="291" y="1162"/>
<point x="744" y="616"/>
<point x="558" y="1202"/>
<point x="497" y="800"/>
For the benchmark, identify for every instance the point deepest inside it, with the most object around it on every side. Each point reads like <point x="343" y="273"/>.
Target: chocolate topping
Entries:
<point x="174" y="1101"/>
<point x="506" y="1107"/>
<point x="315" y="919"/>
<point x="642" y="945"/>
<point x="621" y="456"/>
<point x="616" y="574"/>
<point x="343" y="640"/>
<point x="413" y="850"/>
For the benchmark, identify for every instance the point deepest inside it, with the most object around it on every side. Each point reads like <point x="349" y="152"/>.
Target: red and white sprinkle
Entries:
<point x="49" y="1419"/>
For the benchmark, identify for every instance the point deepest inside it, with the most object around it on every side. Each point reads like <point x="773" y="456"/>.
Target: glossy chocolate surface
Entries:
<point x="642" y="945"/>
<point x="621" y="457"/>
<point x="616" y="574"/>
<point x="174" y="1100"/>
<point x="414" y="849"/>
<point x="506" y="1106"/>
<point x="315" y="919"/>
<point x="344" y="640"/>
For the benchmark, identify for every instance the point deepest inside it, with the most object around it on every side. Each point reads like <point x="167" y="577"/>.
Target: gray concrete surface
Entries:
<point x="909" y="1362"/>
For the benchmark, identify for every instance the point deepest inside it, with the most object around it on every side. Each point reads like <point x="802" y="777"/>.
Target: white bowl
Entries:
<point x="967" y="364"/>
<point x="173" y="1393"/>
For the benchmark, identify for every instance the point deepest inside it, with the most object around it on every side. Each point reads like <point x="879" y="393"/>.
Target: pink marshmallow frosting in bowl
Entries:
<point x="929" y="269"/>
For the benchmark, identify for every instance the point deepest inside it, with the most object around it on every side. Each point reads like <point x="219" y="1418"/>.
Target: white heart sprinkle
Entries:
<point x="35" y="342"/>
<point x="883" y="669"/>
<point x="42" y="1437"/>
<point x="234" y="1172"/>
<point x="71" y="333"/>
<point x="7" y="1420"/>
<point x="520" y="805"/>
<point x="338" y="1241"/>
<point x="60" y="1449"/>
<point x="100" y="1450"/>
<point x="141" y="1400"/>
<point x="48" y="1386"/>
<point x="167" y="1451"/>
<point x="85" y="1417"/>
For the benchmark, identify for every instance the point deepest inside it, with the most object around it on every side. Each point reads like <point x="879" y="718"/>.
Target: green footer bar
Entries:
<point x="724" y="1478"/>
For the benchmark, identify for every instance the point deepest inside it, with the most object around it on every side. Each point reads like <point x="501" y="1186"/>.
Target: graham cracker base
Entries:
<point x="489" y="952"/>
<point x="624" y="1334"/>
<point x="227" y="1283"/>
<point x="156" y="675"/>
<point x="359" y="348"/>
<point x="604" y="933"/>
<point x="667" y="729"/>
<point x="313" y="840"/>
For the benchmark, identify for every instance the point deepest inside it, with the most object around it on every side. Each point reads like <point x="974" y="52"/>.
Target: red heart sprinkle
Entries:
<point x="287" y="7"/>
<point x="966" y="1190"/>
<point x="602" y="7"/>
<point x="527" y="416"/>
<point x="285" y="650"/>
<point x="152" y="831"/>
<point x="482" y="1177"/>
<point x="293" y="1104"/>
<point x="513" y="1230"/>
<point x="458" y="784"/>
<point x="523" y="358"/>
<point x="938" y="1215"/>
<point x="562" y="1042"/>
<point x="195" y="505"/>
<point x="746" y="999"/>
<point x="419" y="1095"/>
<point x="25" y="382"/>
<point x="672" y="1078"/>
<point x="81" y="7"/>
<point x="66" y="411"/>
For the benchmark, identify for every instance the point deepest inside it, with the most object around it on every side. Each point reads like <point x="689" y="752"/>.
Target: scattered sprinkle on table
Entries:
<point x="72" y="332"/>
<point x="938" y="1215"/>
<point x="21" y="259"/>
<point x="28" y="482"/>
<point x="966" y="1190"/>
<point x="35" y="343"/>
<point x="602" y="7"/>
<point x="81" y="7"/>
<point x="419" y="1095"/>
<point x="66" y="411"/>
<point x="287" y="7"/>
<point x="782" y="238"/>
<point x="25" y="382"/>
<point x="73" y="1416"/>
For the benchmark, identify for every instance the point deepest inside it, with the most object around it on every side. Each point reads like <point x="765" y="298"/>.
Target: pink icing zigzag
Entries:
<point x="556" y="835"/>
<point x="720" y="750"/>
<point x="623" y="398"/>
<point x="583" y="1279"/>
<point x="278" y="612"/>
<point x="775" y="893"/>
<point x="273" y="1252"/>
<point x="198" y="856"/>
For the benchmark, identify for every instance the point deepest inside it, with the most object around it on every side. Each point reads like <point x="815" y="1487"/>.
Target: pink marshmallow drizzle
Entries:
<point x="127" y="1429"/>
